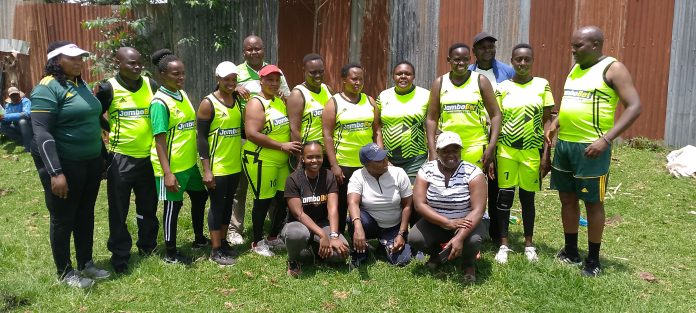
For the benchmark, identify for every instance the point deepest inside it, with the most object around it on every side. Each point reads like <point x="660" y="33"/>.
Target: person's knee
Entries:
<point x="296" y="231"/>
<point x="23" y="122"/>
<point x="416" y="239"/>
<point x="568" y="199"/>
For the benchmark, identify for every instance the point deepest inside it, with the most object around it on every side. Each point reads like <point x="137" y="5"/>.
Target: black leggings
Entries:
<point x="260" y="210"/>
<point x="171" y="216"/>
<point x="222" y="200"/>
<point x="505" y="198"/>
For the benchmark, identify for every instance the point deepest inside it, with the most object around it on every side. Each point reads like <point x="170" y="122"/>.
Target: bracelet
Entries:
<point x="402" y="233"/>
<point x="355" y="219"/>
<point x="333" y="235"/>
<point x="607" y="140"/>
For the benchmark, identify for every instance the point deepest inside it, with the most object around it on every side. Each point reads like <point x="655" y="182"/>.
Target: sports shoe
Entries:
<point x="433" y="262"/>
<point x="177" y="258"/>
<point x="94" y="272"/>
<point x="307" y="256"/>
<point x="563" y="257"/>
<point x="262" y="248"/>
<point x="502" y="256"/>
<point x="591" y="269"/>
<point x="73" y="279"/>
<point x="228" y="250"/>
<point x="530" y="253"/>
<point x="219" y="257"/>
<point x="200" y="242"/>
<point x="276" y="243"/>
<point x="294" y="269"/>
<point x="234" y="238"/>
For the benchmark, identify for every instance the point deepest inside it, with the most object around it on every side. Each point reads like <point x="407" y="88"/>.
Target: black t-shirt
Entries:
<point x="314" y="193"/>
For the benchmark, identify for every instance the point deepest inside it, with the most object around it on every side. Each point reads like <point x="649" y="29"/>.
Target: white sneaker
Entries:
<point x="502" y="255"/>
<point x="75" y="280"/>
<point x="530" y="253"/>
<point x="262" y="248"/>
<point x="234" y="238"/>
<point x="276" y="244"/>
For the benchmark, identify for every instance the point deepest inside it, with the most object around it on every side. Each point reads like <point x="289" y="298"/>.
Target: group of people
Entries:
<point x="413" y="169"/>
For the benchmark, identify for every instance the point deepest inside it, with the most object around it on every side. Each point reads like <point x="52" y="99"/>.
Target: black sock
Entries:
<point x="571" y="244"/>
<point x="593" y="251"/>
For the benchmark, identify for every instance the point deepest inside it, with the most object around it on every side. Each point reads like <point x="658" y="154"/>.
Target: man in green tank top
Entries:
<point x="125" y="100"/>
<point x="586" y="129"/>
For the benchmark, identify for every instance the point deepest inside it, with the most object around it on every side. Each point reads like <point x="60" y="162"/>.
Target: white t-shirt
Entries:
<point x="453" y="201"/>
<point x="381" y="198"/>
<point x="490" y="75"/>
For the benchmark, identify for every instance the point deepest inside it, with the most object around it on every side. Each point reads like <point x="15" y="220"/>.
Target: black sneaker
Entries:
<point x="200" y="243"/>
<point x="121" y="268"/>
<point x="294" y="269"/>
<point x="565" y="258"/>
<point x="177" y="258"/>
<point x="219" y="257"/>
<point x="591" y="269"/>
<point x="228" y="250"/>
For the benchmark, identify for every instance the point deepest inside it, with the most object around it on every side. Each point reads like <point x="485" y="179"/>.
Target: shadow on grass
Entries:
<point x="10" y="302"/>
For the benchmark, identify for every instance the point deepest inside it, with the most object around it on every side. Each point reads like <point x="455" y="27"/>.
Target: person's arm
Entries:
<point x="43" y="123"/>
<point x="355" y="190"/>
<point x="406" y="194"/>
<point x="284" y="88"/>
<point x="253" y="124"/>
<point x="548" y="105"/>
<point x="478" y="192"/>
<point x="105" y="94"/>
<point x="328" y="123"/>
<point x="295" y="107"/>
<point x="376" y="124"/>
<point x="159" y="121"/>
<point x="204" y="117"/>
<point x="433" y="117"/>
<point x="491" y="104"/>
<point x="620" y="79"/>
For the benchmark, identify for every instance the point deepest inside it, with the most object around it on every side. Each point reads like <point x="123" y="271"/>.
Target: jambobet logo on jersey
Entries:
<point x="316" y="113"/>
<point x="357" y="126"/>
<point x="280" y="121"/>
<point x="573" y="93"/>
<point x="459" y="107"/>
<point x="186" y="125"/>
<point x="136" y="113"/>
<point x="229" y="132"/>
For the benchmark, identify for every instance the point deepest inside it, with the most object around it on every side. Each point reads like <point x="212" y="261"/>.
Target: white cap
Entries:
<point x="447" y="138"/>
<point x="71" y="50"/>
<point x="226" y="68"/>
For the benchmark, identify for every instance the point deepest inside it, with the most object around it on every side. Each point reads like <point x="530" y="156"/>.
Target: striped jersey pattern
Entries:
<point x="454" y="200"/>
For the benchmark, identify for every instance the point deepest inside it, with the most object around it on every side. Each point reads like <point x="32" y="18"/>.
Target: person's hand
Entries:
<point x="398" y="244"/>
<point x="488" y="157"/>
<point x="550" y="133"/>
<point x="171" y="183"/>
<point x="457" y="244"/>
<point x="596" y="148"/>
<point x="491" y="171"/>
<point x="545" y="167"/>
<point x="209" y="179"/>
<point x="324" y="246"/>
<point x="359" y="243"/>
<point x="59" y="186"/>
<point x="458" y="223"/>
<point x="338" y="173"/>
<point x="243" y="92"/>
<point x="339" y="246"/>
<point x="292" y="147"/>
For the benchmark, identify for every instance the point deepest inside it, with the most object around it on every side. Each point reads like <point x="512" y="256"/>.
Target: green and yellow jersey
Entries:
<point x="403" y="126"/>
<point x="173" y="114"/>
<point x="129" y="119"/>
<point x="588" y="104"/>
<point x="462" y="110"/>
<point x="276" y="127"/>
<point x="225" y="138"/>
<point x="353" y="129"/>
<point x="523" y="106"/>
<point x="311" y="115"/>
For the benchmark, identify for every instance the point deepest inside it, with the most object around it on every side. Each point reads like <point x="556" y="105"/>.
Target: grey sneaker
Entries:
<point x="276" y="243"/>
<point x="73" y="279"/>
<point x="92" y="271"/>
<point x="219" y="257"/>
<point x="234" y="238"/>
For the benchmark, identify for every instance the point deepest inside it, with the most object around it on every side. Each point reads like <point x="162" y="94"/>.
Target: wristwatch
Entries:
<point x="333" y="235"/>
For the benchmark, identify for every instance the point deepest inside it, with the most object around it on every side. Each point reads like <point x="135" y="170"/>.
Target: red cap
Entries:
<point x="269" y="69"/>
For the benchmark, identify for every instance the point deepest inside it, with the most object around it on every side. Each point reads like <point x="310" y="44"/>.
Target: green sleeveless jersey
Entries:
<point x="181" y="132"/>
<point x="588" y="104"/>
<point x="353" y="129"/>
<point x="276" y="127"/>
<point x="523" y="111"/>
<point x="311" y="116"/>
<point x="225" y="138"/>
<point x="462" y="110"/>
<point x="403" y="127"/>
<point x="129" y="119"/>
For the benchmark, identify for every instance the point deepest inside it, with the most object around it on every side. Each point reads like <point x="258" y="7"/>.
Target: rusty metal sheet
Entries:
<point x="375" y="46"/>
<point x="296" y="27"/>
<point x="333" y="39"/>
<point x="460" y="21"/>
<point x="507" y="21"/>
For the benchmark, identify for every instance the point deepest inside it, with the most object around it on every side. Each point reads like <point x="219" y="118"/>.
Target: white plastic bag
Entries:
<point x="682" y="162"/>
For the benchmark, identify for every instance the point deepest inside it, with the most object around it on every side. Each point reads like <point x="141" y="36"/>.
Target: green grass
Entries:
<point x="655" y="234"/>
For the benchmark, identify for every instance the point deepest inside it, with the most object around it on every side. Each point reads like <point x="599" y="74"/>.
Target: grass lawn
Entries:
<point x="650" y="230"/>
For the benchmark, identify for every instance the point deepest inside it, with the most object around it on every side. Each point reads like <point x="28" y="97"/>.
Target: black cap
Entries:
<point x="372" y="152"/>
<point x="481" y="36"/>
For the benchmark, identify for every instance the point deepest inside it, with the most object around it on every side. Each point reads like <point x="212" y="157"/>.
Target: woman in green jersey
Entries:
<point x="265" y="158"/>
<point x="350" y="120"/>
<point x="173" y="154"/>
<point x="219" y="140"/>
<point x="522" y="156"/>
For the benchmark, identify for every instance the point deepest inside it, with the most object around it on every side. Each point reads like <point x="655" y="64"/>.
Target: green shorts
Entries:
<point x="573" y="172"/>
<point x="265" y="178"/>
<point x="189" y="179"/>
<point x="474" y="155"/>
<point x="518" y="168"/>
